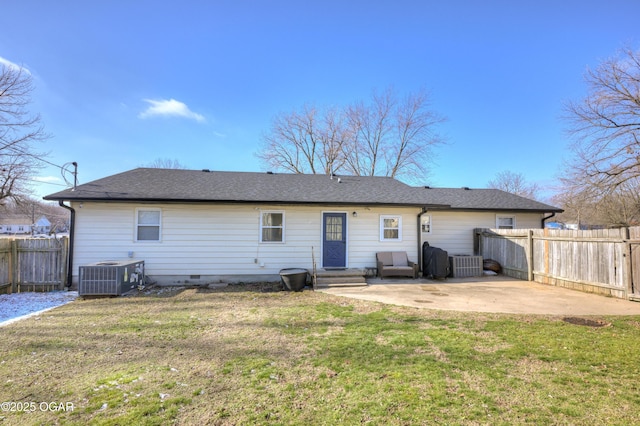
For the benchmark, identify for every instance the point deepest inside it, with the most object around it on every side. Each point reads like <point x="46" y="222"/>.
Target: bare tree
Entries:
<point x="386" y="136"/>
<point x="620" y="207"/>
<point x="293" y="144"/>
<point x="576" y="208"/>
<point x="165" y="163"/>
<point x="370" y="126"/>
<point x="18" y="131"/>
<point x="514" y="183"/>
<point x="415" y="137"/>
<point x="606" y="126"/>
<point x="34" y="209"/>
<point x="305" y="141"/>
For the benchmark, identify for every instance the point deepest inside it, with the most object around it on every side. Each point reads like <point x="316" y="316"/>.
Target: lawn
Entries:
<point x="243" y="355"/>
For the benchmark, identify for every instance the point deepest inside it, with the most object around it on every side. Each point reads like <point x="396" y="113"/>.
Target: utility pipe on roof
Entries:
<point x="72" y="228"/>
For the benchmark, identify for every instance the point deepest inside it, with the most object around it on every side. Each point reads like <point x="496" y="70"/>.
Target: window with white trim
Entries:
<point x="272" y="227"/>
<point x="148" y="224"/>
<point x="505" y="222"/>
<point x="390" y="228"/>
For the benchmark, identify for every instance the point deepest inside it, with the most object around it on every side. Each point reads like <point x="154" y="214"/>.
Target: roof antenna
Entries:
<point x="75" y="175"/>
<point x="64" y="169"/>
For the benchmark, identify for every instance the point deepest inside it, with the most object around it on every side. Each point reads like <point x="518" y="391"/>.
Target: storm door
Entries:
<point x="334" y="236"/>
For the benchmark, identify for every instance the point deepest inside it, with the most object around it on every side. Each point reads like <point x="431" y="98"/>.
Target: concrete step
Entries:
<point x="344" y="280"/>
<point x="347" y="272"/>
<point x="334" y="280"/>
<point x="347" y="277"/>
<point x="335" y="285"/>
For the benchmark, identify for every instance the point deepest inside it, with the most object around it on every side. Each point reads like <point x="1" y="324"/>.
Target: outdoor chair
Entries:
<point x="395" y="264"/>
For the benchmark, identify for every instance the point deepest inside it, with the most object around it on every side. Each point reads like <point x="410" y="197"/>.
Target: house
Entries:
<point x="24" y="225"/>
<point x="203" y="226"/>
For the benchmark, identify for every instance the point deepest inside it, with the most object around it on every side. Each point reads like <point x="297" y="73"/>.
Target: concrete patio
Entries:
<point x="487" y="294"/>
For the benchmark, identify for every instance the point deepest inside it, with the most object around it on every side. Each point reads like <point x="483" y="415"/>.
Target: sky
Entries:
<point x="121" y="83"/>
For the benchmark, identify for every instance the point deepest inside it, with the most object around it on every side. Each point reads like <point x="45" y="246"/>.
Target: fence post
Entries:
<point x="628" y="266"/>
<point x="546" y="279"/>
<point x="14" y="265"/>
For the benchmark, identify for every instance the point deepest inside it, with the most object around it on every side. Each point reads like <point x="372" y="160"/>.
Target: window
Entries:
<point x="334" y="228"/>
<point x="425" y="225"/>
<point x="390" y="228"/>
<point x="505" y="222"/>
<point x="272" y="227"/>
<point x="148" y="224"/>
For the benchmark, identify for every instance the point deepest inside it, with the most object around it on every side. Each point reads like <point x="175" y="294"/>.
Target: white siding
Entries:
<point x="453" y="231"/>
<point x="223" y="240"/>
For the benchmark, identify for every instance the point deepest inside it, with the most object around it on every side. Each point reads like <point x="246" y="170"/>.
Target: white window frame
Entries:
<point x="513" y="221"/>
<point x="382" y="228"/>
<point x="263" y="226"/>
<point x="159" y="225"/>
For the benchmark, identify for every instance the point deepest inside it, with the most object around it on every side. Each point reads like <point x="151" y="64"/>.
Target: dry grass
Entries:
<point x="243" y="355"/>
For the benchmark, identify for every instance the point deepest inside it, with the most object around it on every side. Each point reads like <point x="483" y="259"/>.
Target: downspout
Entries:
<point x="544" y="219"/>
<point x="72" y="229"/>
<point x="424" y="210"/>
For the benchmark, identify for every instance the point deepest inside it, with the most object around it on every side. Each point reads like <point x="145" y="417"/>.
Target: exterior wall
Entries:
<point x="453" y="231"/>
<point x="221" y="242"/>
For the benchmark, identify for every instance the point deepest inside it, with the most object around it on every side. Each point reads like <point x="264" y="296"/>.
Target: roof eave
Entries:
<point x="232" y="201"/>
<point x="492" y="209"/>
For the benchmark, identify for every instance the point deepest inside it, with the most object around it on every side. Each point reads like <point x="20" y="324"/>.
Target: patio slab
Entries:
<point x="488" y="294"/>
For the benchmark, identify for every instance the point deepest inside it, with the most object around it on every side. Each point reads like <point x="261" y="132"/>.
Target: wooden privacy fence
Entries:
<point x="33" y="264"/>
<point x="604" y="261"/>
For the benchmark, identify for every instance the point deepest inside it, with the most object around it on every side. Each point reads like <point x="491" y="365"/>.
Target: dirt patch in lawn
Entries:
<point x="586" y="322"/>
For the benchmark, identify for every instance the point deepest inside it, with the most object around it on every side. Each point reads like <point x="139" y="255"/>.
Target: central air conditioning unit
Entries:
<point x="465" y="266"/>
<point x="110" y="277"/>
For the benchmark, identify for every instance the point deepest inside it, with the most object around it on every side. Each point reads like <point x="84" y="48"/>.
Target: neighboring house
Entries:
<point x="42" y="226"/>
<point x="206" y="226"/>
<point x="22" y="225"/>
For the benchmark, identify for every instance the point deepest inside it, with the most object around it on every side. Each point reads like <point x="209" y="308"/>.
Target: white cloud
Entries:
<point x="169" y="108"/>
<point x="7" y="63"/>
<point x="47" y="179"/>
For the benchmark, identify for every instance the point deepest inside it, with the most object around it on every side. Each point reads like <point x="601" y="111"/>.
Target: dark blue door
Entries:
<point x="334" y="235"/>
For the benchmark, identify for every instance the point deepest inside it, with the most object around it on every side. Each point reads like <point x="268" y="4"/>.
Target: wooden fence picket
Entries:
<point x="604" y="261"/>
<point x="33" y="264"/>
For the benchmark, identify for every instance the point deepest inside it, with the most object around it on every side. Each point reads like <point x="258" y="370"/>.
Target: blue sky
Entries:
<point x="121" y="83"/>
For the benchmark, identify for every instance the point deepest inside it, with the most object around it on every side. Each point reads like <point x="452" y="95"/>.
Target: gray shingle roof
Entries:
<point x="482" y="199"/>
<point x="171" y="185"/>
